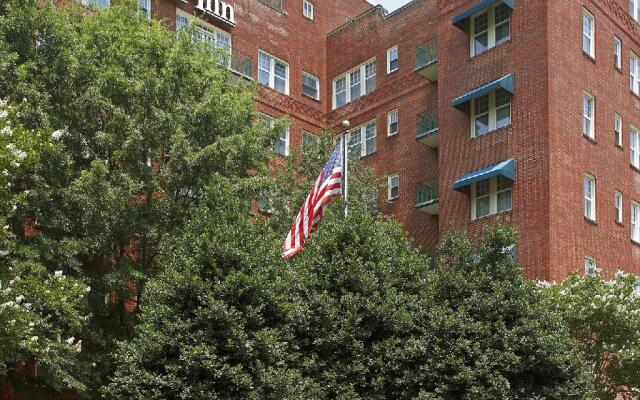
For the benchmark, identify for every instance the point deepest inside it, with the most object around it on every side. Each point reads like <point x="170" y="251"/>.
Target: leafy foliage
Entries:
<point x="604" y="317"/>
<point x="40" y="310"/>
<point x="124" y="126"/>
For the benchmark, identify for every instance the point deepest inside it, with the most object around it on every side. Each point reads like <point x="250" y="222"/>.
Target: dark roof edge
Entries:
<point x="378" y="8"/>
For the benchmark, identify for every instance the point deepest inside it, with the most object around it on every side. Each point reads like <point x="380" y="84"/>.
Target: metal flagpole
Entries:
<point x="345" y="166"/>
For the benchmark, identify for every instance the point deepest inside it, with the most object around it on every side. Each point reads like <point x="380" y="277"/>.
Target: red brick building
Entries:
<point x="473" y="109"/>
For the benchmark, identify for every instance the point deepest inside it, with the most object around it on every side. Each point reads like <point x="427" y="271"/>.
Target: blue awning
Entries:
<point x="506" y="83"/>
<point x="461" y="19"/>
<point x="505" y="168"/>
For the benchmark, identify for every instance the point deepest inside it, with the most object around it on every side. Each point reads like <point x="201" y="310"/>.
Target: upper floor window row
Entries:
<point x="490" y="28"/>
<point x="204" y="32"/>
<point x="354" y="83"/>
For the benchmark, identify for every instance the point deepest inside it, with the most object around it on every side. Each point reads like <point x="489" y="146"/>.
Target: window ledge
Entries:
<point x="591" y="221"/>
<point x="506" y="127"/>
<point x="619" y="146"/>
<point x="620" y="223"/>
<point x="589" y="57"/>
<point x="394" y="71"/>
<point x="590" y="139"/>
<point x="633" y="167"/>
<point x="634" y="93"/>
<point x="392" y="134"/>
<point x="489" y="49"/>
<point x="492" y="215"/>
<point x="633" y="242"/>
<point x="618" y="69"/>
<point x="304" y="96"/>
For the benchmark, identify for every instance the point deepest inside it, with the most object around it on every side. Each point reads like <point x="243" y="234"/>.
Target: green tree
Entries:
<point x="137" y="122"/>
<point x="604" y="317"/>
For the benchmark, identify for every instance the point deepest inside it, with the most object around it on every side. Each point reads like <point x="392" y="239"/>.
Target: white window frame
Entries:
<point x="634" y="9"/>
<point x="272" y="122"/>
<point x="315" y="137"/>
<point x="391" y="186"/>
<point x="272" y="73"/>
<point x="589" y="132"/>
<point x="634" y="147"/>
<point x="362" y="70"/>
<point x="317" y="81"/>
<point x="617" y="52"/>
<point x="491" y="29"/>
<point x="589" y="198"/>
<point x="635" y="221"/>
<point x="96" y="3"/>
<point x="307" y="9"/>
<point x="634" y="73"/>
<point x="493" y="198"/>
<point x="390" y="59"/>
<point x="147" y="7"/>
<point x="617" y="130"/>
<point x="586" y="35"/>
<point x="493" y="113"/>
<point x="390" y="121"/>
<point x="618" y="205"/>
<point x="361" y="132"/>
<point x="590" y="266"/>
<point x="203" y="28"/>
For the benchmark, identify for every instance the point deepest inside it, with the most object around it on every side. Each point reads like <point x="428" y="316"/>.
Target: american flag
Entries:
<point x="327" y="187"/>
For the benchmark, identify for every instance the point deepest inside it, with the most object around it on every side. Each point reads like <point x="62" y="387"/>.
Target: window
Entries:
<point x="351" y="85"/>
<point x="617" y="52"/>
<point x="590" y="265"/>
<point x="281" y="143"/>
<point x="490" y="28"/>
<point x="307" y="9"/>
<point x="273" y="73"/>
<point x="310" y="86"/>
<point x="635" y="222"/>
<point x="588" y="122"/>
<point x="491" y="196"/>
<point x="392" y="123"/>
<point x="205" y="33"/>
<point x="490" y="112"/>
<point x="634" y="145"/>
<point x="618" y="206"/>
<point x="634" y="73"/>
<point x="392" y="59"/>
<point x="394" y="187"/>
<point x="590" y="197"/>
<point x="634" y="9"/>
<point x="588" y="34"/>
<point x="617" y="129"/>
<point x="96" y="3"/>
<point x="309" y="138"/>
<point x="362" y="140"/>
<point x="265" y="204"/>
<point x="145" y="7"/>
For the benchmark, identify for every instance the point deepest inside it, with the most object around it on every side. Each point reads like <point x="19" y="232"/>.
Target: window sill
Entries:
<point x="590" y="139"/>
<point x="633" y="167"/>
<point x="620" y="223"/>
<point x="635" y="243"/>
<point x="310" y="98"/>
<point x="634" y="93"/>
<point x="491" y="132"/>
<point x="618" y="69"/>
<point x="491" y="48"/>
<point x="591" y="221"/>
<point x="392" y="134"/>
<point x="391" y="72"/>
<point x="393" y="199"/>
<point x="619" y="146"/>
<point x="492" y="215"/>
<point x="589" y="57"/>
<point x="368" y="155"/>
